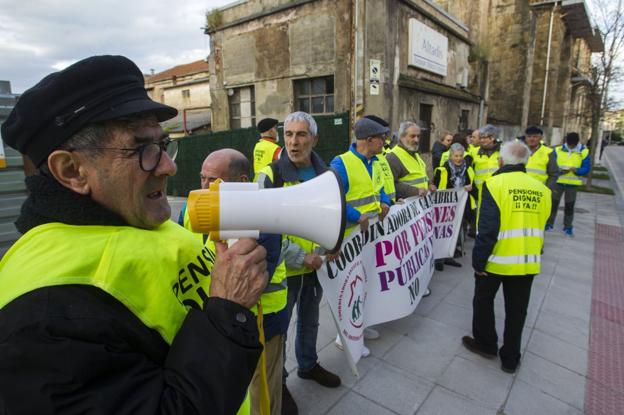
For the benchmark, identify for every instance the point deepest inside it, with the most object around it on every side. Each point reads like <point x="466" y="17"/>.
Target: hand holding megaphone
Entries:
<point x="314" y="210"/>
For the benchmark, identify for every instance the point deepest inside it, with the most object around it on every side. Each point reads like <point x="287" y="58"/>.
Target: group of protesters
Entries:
<point x="108" y="306"/>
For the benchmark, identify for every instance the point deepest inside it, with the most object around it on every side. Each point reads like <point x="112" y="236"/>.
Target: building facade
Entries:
<point x="187" y="88"/>
<point x="536" y="56"/>
<point x="399" y="59"/>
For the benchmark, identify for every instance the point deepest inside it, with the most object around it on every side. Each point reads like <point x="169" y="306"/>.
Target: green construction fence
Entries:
<point x="334" y="138"/>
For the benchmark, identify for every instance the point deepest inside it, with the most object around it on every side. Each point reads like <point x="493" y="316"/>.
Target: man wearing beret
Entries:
<point x="103" y="300"/>
<point x="266" y="149"/>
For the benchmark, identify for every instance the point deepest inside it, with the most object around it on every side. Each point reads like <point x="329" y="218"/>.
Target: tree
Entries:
<point x="606" y="67"/>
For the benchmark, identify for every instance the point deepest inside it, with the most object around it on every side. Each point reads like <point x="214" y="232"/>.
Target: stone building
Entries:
<point x="535" y="60"/>
<point x="187" y="88"/>
<point x="399" y="59"/>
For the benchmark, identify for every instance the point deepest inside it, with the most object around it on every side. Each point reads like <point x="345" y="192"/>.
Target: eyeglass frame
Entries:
<point x="140" y="149"/>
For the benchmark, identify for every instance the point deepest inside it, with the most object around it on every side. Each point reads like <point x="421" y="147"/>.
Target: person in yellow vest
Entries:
<point x="383" y="163"/>
<point x="542" y="163"/>
<point x="485" y="161"/>
<point x="302" y="257"/>
<point x="573" y="162"/>
<point x="512" y="213"/>
<point x="456" y="173"/>
<point x="231" y="165"/>
<point x="459" y="138"/>
<point x="474" y="142"/>
<point x="98" y="298"/>
<point x="363" y="182"/>
<point x="408" y="169"/>
<point x="439" y="147"/>
<point x="266" y="149"/>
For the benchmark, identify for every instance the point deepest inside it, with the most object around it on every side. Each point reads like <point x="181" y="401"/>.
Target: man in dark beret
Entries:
<point x="266" y="149"/>
<point x="103" y="300"/>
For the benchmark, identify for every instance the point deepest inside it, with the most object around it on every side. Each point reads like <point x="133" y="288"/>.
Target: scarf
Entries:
<point x="457" y="175"/>
<point x="49" y="201"/>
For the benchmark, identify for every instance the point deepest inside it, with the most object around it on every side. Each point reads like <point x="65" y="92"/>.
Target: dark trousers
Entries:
<point x="517" y="290"/>
<point x="569" y="192"/>
<point x="305" y="292"/>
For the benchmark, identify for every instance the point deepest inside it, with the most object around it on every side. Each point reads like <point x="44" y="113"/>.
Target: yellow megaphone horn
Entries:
<point x="313" y="210"/>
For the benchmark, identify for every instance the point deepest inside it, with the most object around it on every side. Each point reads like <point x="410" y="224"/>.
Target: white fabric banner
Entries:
<point x="448" y="211"/>
<point x="382" y="274"/>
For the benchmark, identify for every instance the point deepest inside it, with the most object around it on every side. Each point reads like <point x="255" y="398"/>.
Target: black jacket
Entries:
<point x="75" y="349"/>
<point x="489" y="222"/>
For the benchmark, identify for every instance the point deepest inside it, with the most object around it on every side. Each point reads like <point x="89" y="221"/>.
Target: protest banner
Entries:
<point x="381" y="274"/>
<point x="448" y="211"/>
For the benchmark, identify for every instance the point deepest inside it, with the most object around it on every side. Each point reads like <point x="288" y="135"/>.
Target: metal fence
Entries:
<point x="334" y="138"/>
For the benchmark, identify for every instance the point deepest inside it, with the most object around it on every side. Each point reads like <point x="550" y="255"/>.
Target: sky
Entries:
<point x="38" y="37"/>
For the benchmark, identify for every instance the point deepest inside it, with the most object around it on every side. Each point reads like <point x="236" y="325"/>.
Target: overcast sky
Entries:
<point x="38" y="37"/>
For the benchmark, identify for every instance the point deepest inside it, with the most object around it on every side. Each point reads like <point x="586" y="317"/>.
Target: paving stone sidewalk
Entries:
<point x="418" y="366"/>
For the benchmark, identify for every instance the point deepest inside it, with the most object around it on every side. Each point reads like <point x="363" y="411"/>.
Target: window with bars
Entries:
<point x="315" y="95"/>
<point x="242" y="107"/>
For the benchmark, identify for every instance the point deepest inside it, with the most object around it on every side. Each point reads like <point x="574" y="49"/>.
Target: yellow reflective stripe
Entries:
<point x="392" y="195"/>
<point x="570" y="180"/>
<point x="536" y="171"/>
<point x="519" y="233"/>
<point x="416" y="181"/>
<point x="485" y="171"/>
<point x="515" y="259"/>
<point x="364" y="200"/>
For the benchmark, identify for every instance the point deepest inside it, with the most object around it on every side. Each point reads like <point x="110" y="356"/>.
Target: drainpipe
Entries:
<point x="550" y="28"/>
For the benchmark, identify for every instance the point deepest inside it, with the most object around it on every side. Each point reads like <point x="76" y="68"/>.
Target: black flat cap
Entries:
<point x="99" y="88"/>
<point x="378" y="120"/>
<point x="532" y="130"/>
<point x="266" y="124"/>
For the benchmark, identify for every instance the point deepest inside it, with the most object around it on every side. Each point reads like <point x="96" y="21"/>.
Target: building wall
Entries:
<point x="309" y="41"/>
<point x="169" y="91"/>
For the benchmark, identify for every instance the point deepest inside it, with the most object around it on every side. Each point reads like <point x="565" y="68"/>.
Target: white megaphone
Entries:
<point x="313" y="210"/>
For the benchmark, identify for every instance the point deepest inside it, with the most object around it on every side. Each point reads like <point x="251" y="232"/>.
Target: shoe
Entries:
<point x="427" y="293"/>
<point x="289" y="406"/>
<point x="472" y="345"/>
<point x="371" y="334"/>
<point x="321" y="376"/>
<point x="338" y="344"/>
<point x="548" y="227"/>
<point x="452" y="262"/>
<point x="365" y="351"/>
<point x="439" y="266"/>
<point x="458" y="254"/>
<point x="472" y="234"/>
<point x="568" y="232"/>
<point x="509" y="369"/>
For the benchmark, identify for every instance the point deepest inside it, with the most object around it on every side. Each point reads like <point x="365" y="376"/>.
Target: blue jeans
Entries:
<point x="305" y="291"/>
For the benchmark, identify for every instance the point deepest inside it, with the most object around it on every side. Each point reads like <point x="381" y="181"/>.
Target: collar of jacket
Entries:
<point x="353" y="149"/>
<point x="578" y="149"/>
<point x="490" y="151"/>
<point x="49" y="201"/>
<point x="288" y="170"/>
<point x="510" y="168"/>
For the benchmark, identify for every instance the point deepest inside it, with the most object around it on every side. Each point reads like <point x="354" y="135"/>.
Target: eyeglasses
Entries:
<point x="149" y="153"/>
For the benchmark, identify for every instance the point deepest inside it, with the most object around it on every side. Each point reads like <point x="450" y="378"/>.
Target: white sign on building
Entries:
<point x="428" y="49"/>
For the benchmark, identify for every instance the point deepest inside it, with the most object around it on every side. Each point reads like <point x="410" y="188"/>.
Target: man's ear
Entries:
<point x="316" y="138"/>
<point x="68" y="169"/>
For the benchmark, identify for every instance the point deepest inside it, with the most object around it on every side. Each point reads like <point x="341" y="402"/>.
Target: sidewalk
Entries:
<point x="418" y="366"/>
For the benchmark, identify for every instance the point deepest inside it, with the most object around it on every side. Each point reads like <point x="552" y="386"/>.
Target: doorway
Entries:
<point x="424" y="117"/>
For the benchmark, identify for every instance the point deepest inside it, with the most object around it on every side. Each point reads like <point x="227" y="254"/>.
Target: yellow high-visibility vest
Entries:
<point x="524" y="204"/>
<point x="364" y="192"/>
<point x="484" y="166"/>
<point x="389" y="187"/>
<point x="537" y="165"/>
<point x="162" y="258"/>
<point x="263" y="155"/>
<point x="569" y="159"/>
<point x="443" y="185"/>
<point x="417" y="176"/>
